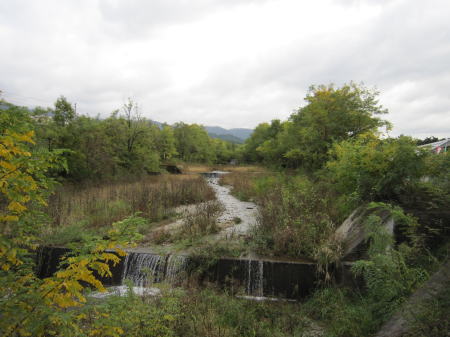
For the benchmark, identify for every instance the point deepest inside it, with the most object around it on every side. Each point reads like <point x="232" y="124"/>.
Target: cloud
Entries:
<point x="229" y="63"/>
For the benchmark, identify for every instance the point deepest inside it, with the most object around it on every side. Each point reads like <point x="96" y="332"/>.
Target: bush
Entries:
<point x="389" y="279"/>
<point x="295" y="216"/>
<point x="203" y="220"/>
<point x="370" y="169"/>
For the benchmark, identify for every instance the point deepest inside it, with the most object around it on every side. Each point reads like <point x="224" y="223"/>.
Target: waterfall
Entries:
<point x="144" y="269"/>
<point x="175" y="268"/>
<point x="255" y="278"/>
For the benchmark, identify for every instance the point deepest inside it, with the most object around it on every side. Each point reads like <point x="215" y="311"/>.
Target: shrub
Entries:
<point x="203" y="220"/>
<point x="295" y="216"/>
<point x="370" y="169"/>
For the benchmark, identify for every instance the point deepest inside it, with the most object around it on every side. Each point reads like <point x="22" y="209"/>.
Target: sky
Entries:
<point x="231" y="63"/>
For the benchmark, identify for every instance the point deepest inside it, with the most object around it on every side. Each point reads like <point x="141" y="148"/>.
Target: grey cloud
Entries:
<point x="133" y="18"/>
<point x="95" y="52"/>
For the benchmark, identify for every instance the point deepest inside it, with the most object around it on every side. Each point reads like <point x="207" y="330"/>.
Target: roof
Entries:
<point x="442" y="144"/>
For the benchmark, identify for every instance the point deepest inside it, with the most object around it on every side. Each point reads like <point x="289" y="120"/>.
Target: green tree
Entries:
<point x="257" y="138"/>
<point x="332" y="115"/>
<point x="166" y="143"/>
<point x="371" y="169"/>
<point x="30" y="306"/>
<point x="193" y="143"/>
<point x="64" y="113"/>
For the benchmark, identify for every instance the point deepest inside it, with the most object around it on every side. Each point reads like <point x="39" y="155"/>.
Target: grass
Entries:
<point x="203" y="220"/>
<point x="195" y="168"/>
<point x="242" y="183"/>
<point x="74" y="209"/>
<point x="196" y="225"/>
<point x="242" y="169"/>
<point x="196" y="313"/>
<point x="296" y="215"/>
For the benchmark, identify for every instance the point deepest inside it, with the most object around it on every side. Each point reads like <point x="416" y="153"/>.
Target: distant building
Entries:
<point x="438" y="147"/>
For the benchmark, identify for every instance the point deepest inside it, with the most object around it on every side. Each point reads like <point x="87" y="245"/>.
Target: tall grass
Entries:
<point x="203" y="220"/>
<point x="242" y="183"/>
<point x="153" y="197"/>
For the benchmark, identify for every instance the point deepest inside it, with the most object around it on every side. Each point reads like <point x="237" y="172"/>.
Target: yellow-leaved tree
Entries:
<point x="31" y="306"/>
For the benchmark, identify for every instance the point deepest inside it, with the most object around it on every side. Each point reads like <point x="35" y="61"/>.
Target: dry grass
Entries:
<point x="203" y="220"/>
<point x="154" y="197"/>
<point x="195" y="168"/>
<point x="243" y="169"/>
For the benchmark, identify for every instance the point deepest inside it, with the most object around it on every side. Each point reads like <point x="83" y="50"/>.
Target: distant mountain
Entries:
<point x="229" y="138"/>
<point x="236" y="135"/>
<point x="240" y="133"/>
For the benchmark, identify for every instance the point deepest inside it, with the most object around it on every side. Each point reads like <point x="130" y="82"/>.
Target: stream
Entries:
<point x="234" y="208"/>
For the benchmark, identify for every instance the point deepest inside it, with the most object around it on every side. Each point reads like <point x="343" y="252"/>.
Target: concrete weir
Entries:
<point x="257" y="278"/>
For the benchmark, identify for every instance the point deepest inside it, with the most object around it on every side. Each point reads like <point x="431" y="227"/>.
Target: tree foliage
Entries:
<point x="371" y="169"/>
<point x="330" y="115"/>
<point x="30" y="305"/>
<point x="123" y="144"/>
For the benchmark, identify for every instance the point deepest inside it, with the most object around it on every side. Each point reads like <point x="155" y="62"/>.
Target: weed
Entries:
<point x="203" y="220"/>
<point x="295" y="217"/>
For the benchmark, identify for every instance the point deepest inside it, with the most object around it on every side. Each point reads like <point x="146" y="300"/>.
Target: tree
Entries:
<point x="64" y="113"/>
<point x="257" y="138"/>
<point x="193" y="143"/>
<point x="428" y="140"/>
<point x="332" y="115"/>
<point x="370" y="169"/>
<point x="30" y="306"/>
<point x="134" y="123"/>
<point x="166" y="143"/>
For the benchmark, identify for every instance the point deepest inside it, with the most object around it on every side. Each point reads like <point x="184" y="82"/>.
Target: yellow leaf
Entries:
<point x="10" y="218"/>
<point x="7" y="165"/>
<point x="16" y="206"/>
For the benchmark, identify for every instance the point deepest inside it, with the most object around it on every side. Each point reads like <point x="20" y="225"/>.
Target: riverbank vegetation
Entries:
<point x="329" y="158"/>
<point x="75" y="210"/>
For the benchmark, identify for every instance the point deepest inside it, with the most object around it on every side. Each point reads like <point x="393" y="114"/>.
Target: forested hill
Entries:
<point x="236" y="133"/>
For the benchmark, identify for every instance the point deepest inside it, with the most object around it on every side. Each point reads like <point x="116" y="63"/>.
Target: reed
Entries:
<point x="153" y="197"/>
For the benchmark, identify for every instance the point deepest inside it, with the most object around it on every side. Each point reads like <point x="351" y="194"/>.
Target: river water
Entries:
<point x="233" y="208"/>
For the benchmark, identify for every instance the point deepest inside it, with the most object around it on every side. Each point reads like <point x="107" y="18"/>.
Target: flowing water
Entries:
<point x="234" y="208"/>
<point x="255" y="278"/>
<point x="144" y="269"/>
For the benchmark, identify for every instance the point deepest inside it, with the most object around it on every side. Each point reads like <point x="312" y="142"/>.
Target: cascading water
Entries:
<point x="143" y="269"/>
<point x="255" y="278"/>
<point x="175" y="268"/>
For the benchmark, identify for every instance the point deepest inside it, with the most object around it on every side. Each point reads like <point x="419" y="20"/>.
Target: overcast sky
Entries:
<point x="232" y="63"/>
